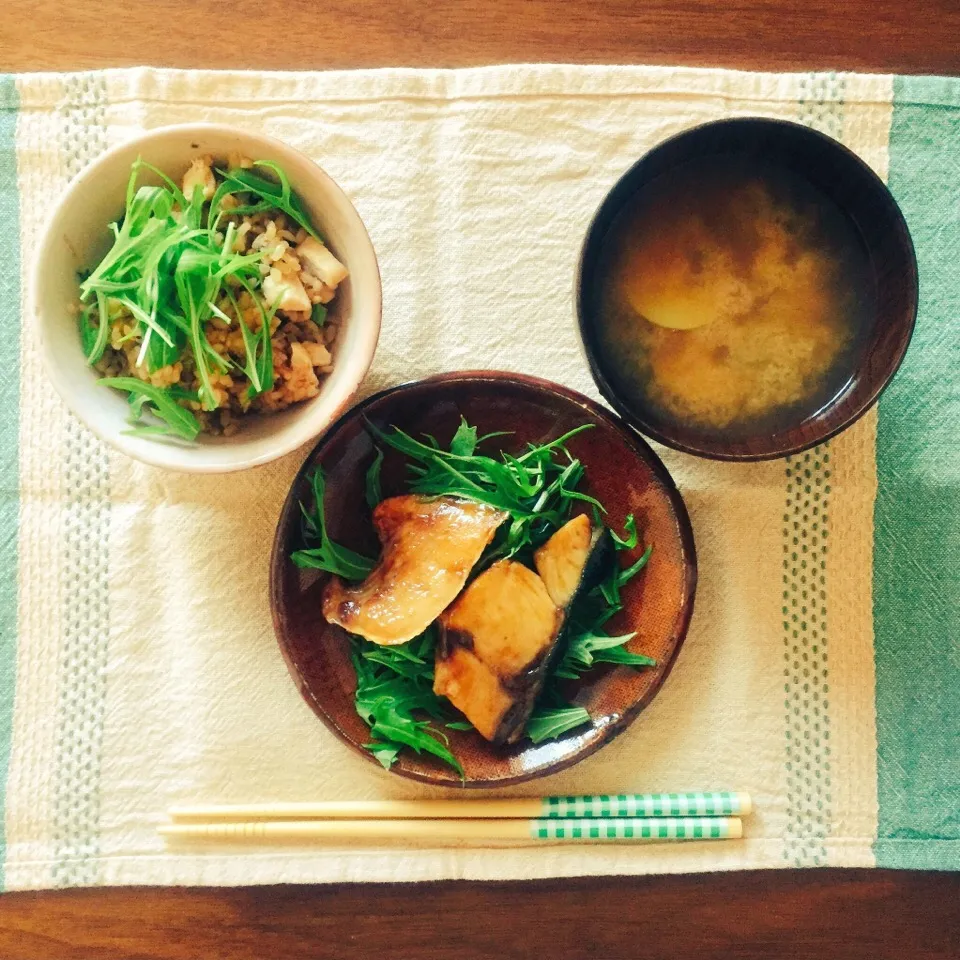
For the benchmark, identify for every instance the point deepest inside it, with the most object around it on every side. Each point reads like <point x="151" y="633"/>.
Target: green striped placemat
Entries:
<point x="137" y="664"/>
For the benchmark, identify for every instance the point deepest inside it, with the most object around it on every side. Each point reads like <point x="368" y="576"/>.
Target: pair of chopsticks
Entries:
<point x="624" y="817"/>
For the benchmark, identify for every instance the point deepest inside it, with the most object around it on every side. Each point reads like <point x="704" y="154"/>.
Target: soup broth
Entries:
<point x="732" y="298"/>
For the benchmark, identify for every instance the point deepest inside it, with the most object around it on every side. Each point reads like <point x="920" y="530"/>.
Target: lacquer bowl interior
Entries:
<point x="622" y="471"/>
<point x="866" y="202"/>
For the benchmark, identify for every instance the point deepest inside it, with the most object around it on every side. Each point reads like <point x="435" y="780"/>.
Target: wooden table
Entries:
<point x="783" y="914"/>
<point x="900" y="36"/>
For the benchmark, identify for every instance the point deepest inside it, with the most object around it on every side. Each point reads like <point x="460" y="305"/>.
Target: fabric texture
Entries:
<point x="917" y="587"/>
<point x="138" y="666"/>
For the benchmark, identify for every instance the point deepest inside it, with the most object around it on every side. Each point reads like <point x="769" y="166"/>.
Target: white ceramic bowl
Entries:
<point x="77" y="237"/>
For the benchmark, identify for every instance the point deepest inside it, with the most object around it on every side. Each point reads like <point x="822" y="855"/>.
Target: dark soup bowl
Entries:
<point x="780" y="278"/>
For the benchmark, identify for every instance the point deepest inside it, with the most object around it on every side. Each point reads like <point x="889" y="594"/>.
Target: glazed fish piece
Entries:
<point x="494" y="649"/>
<point x="575" y="558"/>
<point x="429" y="549"/>
<point x="476" y="691"/>
<point x="500" y="638"/>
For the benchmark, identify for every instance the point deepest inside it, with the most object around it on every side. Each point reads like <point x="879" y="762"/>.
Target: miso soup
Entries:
<point x="731" y="298"/>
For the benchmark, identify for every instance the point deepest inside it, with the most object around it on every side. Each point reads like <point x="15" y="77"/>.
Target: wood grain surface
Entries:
<point x="788" y="914"/>
<point x="813" y="915"/>
<point x="903" y="36"/>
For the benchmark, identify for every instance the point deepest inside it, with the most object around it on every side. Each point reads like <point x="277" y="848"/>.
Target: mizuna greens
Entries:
<point x="539" y="490"/>
<point x="177" y="312"/>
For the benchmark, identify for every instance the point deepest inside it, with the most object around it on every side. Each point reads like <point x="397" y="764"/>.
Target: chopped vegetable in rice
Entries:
<point x="212" y="301"/>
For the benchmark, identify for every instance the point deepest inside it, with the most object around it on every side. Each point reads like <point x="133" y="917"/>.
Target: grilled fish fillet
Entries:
<point x="494" y="649"/>
<point x="501" y="636"/>
<point x="429" y="549"/>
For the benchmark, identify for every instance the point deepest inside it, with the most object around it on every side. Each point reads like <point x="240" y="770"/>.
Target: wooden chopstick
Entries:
<point x="700" y="804"/>
<point x="465" y="831"/>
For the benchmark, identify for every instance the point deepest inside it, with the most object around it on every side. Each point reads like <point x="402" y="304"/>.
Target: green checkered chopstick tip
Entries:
<point x="720" y="803"/>
<point x="637" y="828"/>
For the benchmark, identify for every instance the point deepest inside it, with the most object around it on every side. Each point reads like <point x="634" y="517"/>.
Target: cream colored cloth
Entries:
<point x="148" y="673"/>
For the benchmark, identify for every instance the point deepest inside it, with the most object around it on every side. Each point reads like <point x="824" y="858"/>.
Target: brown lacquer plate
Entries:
<point x="621" y="471"/>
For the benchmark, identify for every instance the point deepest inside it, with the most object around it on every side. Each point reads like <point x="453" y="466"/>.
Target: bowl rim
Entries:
<point x="155" y="453"/>
<point x="609" y="732"/>
<point x="637" y="421"/>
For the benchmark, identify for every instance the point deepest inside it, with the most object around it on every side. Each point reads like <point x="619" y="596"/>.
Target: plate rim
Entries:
<point x="543" y="386"/>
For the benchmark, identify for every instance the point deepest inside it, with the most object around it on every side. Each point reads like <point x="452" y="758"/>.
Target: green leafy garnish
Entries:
<point x="626" y="575"/>
<point x="393" y="685"/>
<point x="273" y="195"/>
<point x="464" y="441"/>
<point x="167" y="269"/>
<point x="585" y="650"/>
<point x="610" y="588"/>
<point x="180" y="422"/>
<point x="587" y="643"/>
<point x="386" y="753"/>
<point x="327" y="555"/>
<point x="550" y="723"/>
<point x="94" y="336"/>
<point x="319" y="314"/>
<point x="258" y="346"/>
<point x="631" y="538"/>
<point x="372" y="482"/>
<point x="539" y="490"/>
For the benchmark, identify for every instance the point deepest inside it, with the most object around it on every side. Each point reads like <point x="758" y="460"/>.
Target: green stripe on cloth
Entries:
<point x="9" y="428"/>
<point x="805" y="574"/>
<point x="917" y="516"/>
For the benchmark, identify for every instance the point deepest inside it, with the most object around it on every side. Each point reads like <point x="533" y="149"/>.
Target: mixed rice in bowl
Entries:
<point x="176" y="313"/>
